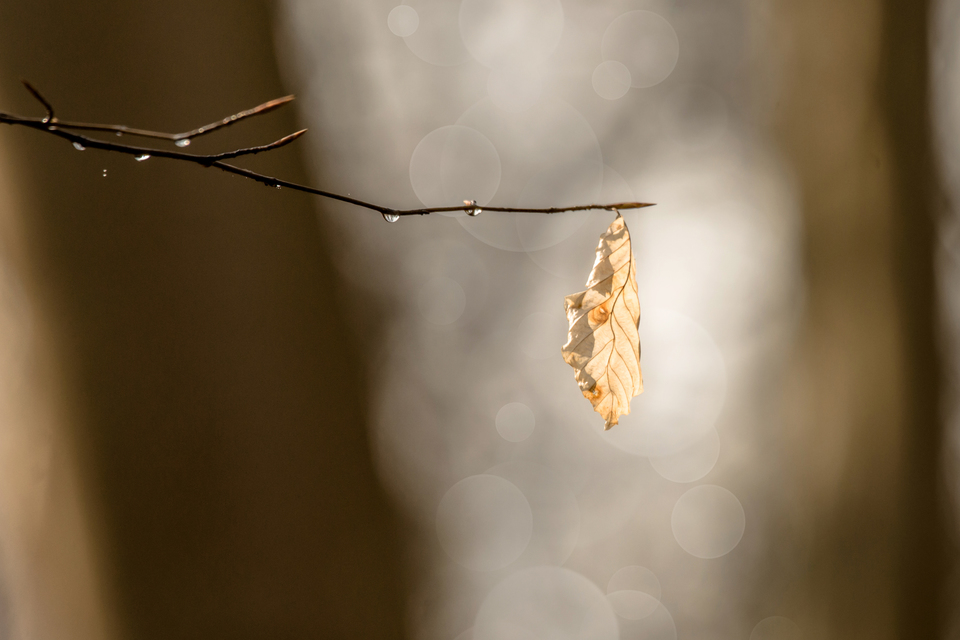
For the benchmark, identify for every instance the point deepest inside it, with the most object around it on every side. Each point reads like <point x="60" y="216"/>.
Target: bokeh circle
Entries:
<point x="436" y="39"/>
<point x="646" y="43"/>
<point x="657" y="625"/>
<point x="611" y="79"/>
<point x="556" y="514"/>
<point x="545" y="602"/>
<point x="635" y="578"/>
<point x="515" y="422"/>
<point x="484" y="522"/>
<point x="403" y="20"/>
<point x="452" y="164"/>
<point x="634" y="592"/>
<point x="708" y="521"/>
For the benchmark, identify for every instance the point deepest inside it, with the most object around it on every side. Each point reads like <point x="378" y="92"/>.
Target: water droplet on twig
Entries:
<point x="391" y="216"/>
<point x="475" y="211"/>
<point x="79" y="147"/>
<point x="183" y="143"/>
<point x="141" y="158"/>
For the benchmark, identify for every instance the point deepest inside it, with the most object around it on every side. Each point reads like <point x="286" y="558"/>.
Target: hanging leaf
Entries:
<point x="603" y="345"/>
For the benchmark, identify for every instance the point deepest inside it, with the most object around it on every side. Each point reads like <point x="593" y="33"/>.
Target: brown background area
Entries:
<point x="218" y="408"/>
<point x="869" y="512"/>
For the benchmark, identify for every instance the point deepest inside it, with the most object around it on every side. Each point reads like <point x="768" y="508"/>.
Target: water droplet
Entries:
<point x="278" y="186"/>
<point x="104" y="173"/>
<point x="143" y="157"/>
<point x="119" y="133"/>
<point x="201" y="130"/>
<point x="232" y="118"/>
<point x="45" y="120"/>
<point x="183" y="143"/>
<point x="78" y="146"/>
<point x="391" y="216"/>
<point x="475" y="211"/>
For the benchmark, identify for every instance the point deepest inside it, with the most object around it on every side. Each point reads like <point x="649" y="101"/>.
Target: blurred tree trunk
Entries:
<point x="925" y="558"/>
<point x="854" y="121"/>
<point x="213" y="408"/>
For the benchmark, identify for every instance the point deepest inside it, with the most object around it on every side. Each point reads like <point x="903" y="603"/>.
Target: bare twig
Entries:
<point x="36" y="94"/>
<point x="183" y="139"/>
<point x="66" y="130"/>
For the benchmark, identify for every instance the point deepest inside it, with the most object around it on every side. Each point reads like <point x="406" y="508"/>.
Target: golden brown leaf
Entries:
<point x="603" y="345"/>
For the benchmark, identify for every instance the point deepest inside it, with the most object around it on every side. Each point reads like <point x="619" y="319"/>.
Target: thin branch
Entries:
<point x="183" y="139"/>
<point x="58" y="128"/>
<point x="250" y="151"/>
<point x="36" y="94"/>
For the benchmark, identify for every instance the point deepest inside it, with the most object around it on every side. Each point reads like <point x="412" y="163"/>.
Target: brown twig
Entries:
<point x="182" y="139"/>
<point x="39" y="97"/>
<point x="50" y="124"/>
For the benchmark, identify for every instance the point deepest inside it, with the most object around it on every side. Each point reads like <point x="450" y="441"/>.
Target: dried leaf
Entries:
<point x="603" y="345"/>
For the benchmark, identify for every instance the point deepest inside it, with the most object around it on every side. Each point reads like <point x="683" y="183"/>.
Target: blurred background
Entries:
<point x="232" y="411"/>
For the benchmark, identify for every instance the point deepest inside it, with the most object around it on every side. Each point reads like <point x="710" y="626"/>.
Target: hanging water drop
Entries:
<point x="119" y="133"/>
<point x="391" y="216"/>
<point x="183" y="143"/>
<point x="78" y="146"/>
<point x="475" y="211"/>
<point x="278" y="186"/>
<point x="143" y="157"/>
